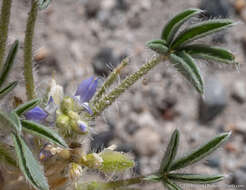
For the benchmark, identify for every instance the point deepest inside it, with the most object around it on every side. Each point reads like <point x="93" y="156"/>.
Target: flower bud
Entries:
<point x="75" y="170"/>
<point x="92" y="160"/>
<point x="115" y="161"/>
<point x="65" y="154"/>
<point x="56" y="92"/>
<point x="67" y="104"/>
<point x="73" y="115"/>
<point x="63" y="123"/>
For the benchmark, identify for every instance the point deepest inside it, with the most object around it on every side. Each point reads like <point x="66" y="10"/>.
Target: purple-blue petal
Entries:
<point x="83" y="127"/>
<point x="36" y="114"/>
<point x="87" y="108"/>
<point x="51" y="100"/>
<point x="87" y="89"/>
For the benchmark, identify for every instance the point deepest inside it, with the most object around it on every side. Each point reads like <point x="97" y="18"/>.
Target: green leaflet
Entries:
<point x="43" y="4"/>
<point x="28" y="165"/>
<point x="170" y="185"/>
<point x="210" y="53"/>
<point x="158" y="46"/>
<point x="8" y="89"/>
<point x="26" y="106"/>
<point x="6" y="155"/>
<point x="195" y="178"/>
<point x="43" y="132"/>
<point x="200" y="30"/>
<point x="186" y="66"/>
<point x="153" y="178"/>
<point x="16" y="120"/>
<point x="201" y="152"/>
<point x="9" y="62"/>
<point x="174" y="24"/>
<point x="170" y="152"/>
<point x="6" y="123"/>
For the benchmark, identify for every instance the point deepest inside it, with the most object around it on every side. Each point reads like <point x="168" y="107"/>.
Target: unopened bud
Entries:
<point x="67" y="105"/>
<point x="75" y="170"/>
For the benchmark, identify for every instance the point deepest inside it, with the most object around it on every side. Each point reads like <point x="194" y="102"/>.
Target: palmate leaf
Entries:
<point x="170" y="185"/>
<point x="9" y="62"/>
<point x="201" y="152"/>
<point x="28" y="165"/>
<point x="200" y="30"/>
<point x="210" y="53"/>
<point x="43" y="132"/>
<point x="26" y="106"/>
<point x="170" y="152"/>
<point x="186" y="66"/>
<point x="195" y="178"/>
<point x="174" y="24"/>
<point x="7" y="89"/>
<point x="159" y="46"/>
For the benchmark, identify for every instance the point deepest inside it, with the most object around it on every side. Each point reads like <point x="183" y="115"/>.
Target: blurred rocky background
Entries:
<point x="79" y="38"/>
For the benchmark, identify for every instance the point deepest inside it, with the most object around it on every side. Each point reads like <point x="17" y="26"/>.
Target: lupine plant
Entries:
<point x="43" y="137"/>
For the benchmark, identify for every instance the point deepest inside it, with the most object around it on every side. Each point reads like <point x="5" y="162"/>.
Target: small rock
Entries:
<point x="42" y="54"/>
<point x="239" y="91"/>
<point x="218" y="8"/>
<point x="240" y="127"/>
<point x="92" y="7"/>
<point x="134" y="21"/>
<point x="146" y="119"/>
<point x="239" y="178"/>
<point x="136" y="102"/>
<point x="122" y="5"/>
<point x="231" y="147"/>
<point x="108" y="4"/>
<point x="214" y="101"/>
<point x="239" y="5"/>
<point x="145" y="5"/>
<point x="103" y="60"/>
<point x="147" y="141"/>
<point x="131" y="127"/>
<point x="213" y="162"/>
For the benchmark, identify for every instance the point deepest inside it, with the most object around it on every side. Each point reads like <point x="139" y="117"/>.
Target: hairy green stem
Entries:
<point x="110" y="80"/>
<point x="4" y="26"/>
<point x="28" y="69"/>
<point x="100" y="106"/>
<point x="112" y="185"/>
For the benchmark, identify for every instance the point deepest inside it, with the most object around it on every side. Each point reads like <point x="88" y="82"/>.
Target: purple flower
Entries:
<point x="82" y="126"/>
<point x="86" y="89"/>
<point x="85" y="92"/>
<point x="36" y="114"/>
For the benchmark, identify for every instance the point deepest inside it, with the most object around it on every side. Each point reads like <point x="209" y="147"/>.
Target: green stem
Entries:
<point x="4" y="26"/>
<point x="28" y="69"/>
<point x="110" y="80"/>
<point x="125" y="182"/>
<point x="112" y="185"/>
<point x="100" y="106"/>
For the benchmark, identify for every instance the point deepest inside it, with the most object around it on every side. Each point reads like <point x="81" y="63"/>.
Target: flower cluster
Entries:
<point x="69" y="110"/>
